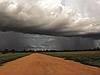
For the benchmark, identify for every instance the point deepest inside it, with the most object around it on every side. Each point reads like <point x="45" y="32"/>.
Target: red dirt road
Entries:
<point x="39" y="64"/>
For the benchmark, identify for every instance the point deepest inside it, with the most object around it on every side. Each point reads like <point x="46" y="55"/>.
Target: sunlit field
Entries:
<point x="86" y="57"/>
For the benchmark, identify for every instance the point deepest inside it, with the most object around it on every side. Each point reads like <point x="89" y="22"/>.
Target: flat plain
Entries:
<point x="40" y="64"/>
<point x="85" y="57"/>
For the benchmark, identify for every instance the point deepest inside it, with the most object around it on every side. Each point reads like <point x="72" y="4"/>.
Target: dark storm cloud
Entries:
<point x="20" y="41"/>
<point x="12" y="40"/>
<point x="75" y="43"/>
<point x="51" y="17"/>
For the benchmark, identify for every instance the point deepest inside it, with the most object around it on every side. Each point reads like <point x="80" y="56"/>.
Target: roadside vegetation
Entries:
<point x="11" y="56"/>
<point x="86" y="57"/>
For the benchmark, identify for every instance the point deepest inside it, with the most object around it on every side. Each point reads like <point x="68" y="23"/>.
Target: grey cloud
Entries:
<point x="51" y="17"/>
<point x="19" y="41"/>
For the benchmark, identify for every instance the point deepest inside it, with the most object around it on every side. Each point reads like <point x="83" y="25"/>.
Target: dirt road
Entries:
<point x="39" y="64"/>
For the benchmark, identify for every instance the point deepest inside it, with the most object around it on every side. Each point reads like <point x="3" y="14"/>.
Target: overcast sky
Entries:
<point x="19" y="41"/>
<point x="54" y="17"/>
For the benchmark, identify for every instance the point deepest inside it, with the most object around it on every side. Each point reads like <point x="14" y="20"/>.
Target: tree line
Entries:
<point x="46" y="50"/>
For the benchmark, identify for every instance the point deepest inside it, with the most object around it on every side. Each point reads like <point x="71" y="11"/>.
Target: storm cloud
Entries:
<point x="20" y="41"/>
<point x="51" y="17"/>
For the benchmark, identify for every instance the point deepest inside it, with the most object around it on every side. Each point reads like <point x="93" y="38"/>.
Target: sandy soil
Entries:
<point x="39" y="64"/>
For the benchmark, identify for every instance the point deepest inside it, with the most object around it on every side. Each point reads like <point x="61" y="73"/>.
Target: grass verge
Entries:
<point x="11" y="56"/>
<point x="86" y="57"/>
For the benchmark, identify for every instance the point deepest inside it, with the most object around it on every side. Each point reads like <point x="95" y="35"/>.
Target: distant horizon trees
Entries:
<point x="46" y="50"/>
